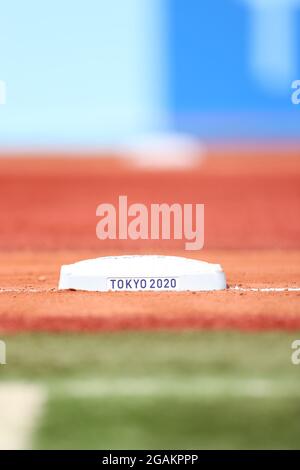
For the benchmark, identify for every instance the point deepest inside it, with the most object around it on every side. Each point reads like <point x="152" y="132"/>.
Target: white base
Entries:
<point x="142" y="273"/>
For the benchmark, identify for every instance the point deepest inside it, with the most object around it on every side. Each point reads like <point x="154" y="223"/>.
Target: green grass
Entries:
<point x="162" y="389"/>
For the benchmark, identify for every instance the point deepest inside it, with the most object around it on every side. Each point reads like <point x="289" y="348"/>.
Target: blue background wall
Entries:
<point x="232" y="66"/>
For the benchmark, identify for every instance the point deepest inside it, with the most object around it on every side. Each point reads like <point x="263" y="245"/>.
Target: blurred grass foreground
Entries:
<point x="159" y="390"/>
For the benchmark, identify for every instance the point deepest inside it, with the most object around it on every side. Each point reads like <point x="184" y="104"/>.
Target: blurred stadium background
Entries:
<point x="112" y="76"/>
<point x="97" y="73"/>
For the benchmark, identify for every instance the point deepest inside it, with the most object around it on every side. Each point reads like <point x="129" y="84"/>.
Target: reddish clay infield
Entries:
<point x="252" y="227"/>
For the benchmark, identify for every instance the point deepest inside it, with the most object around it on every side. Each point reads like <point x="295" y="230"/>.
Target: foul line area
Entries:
<point x="36" y="290"/>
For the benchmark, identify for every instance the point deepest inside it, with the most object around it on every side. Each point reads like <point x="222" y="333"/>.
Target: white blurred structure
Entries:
<point x="165" y="150"/>
<point x="20" y="410"/>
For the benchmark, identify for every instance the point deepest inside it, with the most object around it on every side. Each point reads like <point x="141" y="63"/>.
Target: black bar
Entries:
<point x="137" y="458"/>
